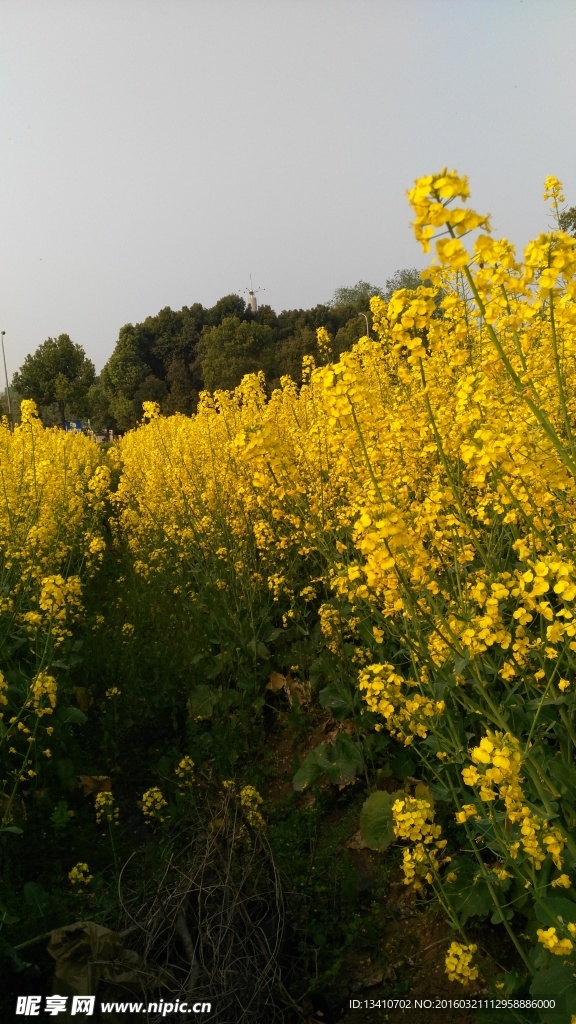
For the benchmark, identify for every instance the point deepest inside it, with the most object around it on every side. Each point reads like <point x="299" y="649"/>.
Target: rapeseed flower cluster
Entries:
<point x="50" y="507"/>
<point x="498" y="777"/>
<point x="414" y="820"/>
<point x="106" y="810"/>
<point x="417" y="496"/>
<point x="80" y="875"/>
<point x="550" y="940"/>
<point x="185" y="771"/>
<point x="153" y="803"/>
<point x="43" y="691"/>
<point x="250" y="801"/>
<point x="459" y="962"/>
<point x="406" y="712"/>
<point x="52" y="493"/>
<point x="3" y="689"/>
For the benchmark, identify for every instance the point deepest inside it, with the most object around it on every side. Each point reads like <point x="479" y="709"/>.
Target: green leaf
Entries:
<point x="215" y="666"/>
<point x="12" y="828"/>
<point x="347" y="761"/>
<point x="259" y="649"/>
<point x="66" y="771"/>
<point x="6" y="917"/>
<point x="231" y="699"/>
<point x="501" y="915"/>
<point x="60" y="817"/>
<point x="440" y="792"/>
<point x="13" y="643"/>
<point x="337" y="697"/>
<point x="6" y="950"/>
<point x="569" y="813"/>
<point x="403" y="765"/>
<point x="274" y="635"/>
<point x="548" y="702"/>
<point x="520" y="720"/>
<point x="559" y="983"/>
<point x="509" y="983"/>
<point x="309" y="771"/>
<point x="321" y="669"/>
<point x="468" y="892"/>
<point x="563" y="773"/>
<point x="340" y="763"/>
<point x="539" y="957"/>
<point x="375" y="743"/>
<point x="377" y="821"/>
<point x="202" y="701"/>
<point x="477" y="902"/>
<point x="70" y="716"/>
<point x="37" y="898"/>
<point x="560" y="911"/>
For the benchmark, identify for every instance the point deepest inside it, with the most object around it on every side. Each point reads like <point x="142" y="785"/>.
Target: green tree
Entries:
<point x="289" y="354"/>
<point x="13" y="404"/>
<point x="122" y="377"/>
<point x="567" y="221"/>
<point x="229" y="305"/>
<point x="233" y="348"/>
<point x="101" y="417"/>
<point x="156" y="361"/>
<point x="59" y="373"/>
<point x="409" y="278"/>
<point x="347" y="335"/>
<point x="358" y="295"/>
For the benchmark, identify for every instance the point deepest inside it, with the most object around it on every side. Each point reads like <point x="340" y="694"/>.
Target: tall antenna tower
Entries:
<point x="252" y="302"/>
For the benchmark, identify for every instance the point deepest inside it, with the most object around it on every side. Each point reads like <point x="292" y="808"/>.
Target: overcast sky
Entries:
<point x="156" y="152"/>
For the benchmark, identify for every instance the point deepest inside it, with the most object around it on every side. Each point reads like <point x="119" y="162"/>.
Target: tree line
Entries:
<point x="173" y="356"/>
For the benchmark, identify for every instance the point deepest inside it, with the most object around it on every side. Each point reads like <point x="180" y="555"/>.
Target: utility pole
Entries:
<point x="2" y="333"/>
<point x="367" y="324"/>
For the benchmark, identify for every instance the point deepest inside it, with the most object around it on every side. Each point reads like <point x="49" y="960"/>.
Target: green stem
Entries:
<point x="539" y="414"/>
<point x="455" y="489"/>
<point x="365" y="451"/>
<point x="558" y="371"/>
<point x="538" y="785"/>
<point x="489" y="885"/>
<point x="32" y="942"/>
<point x="568" y="726"/>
